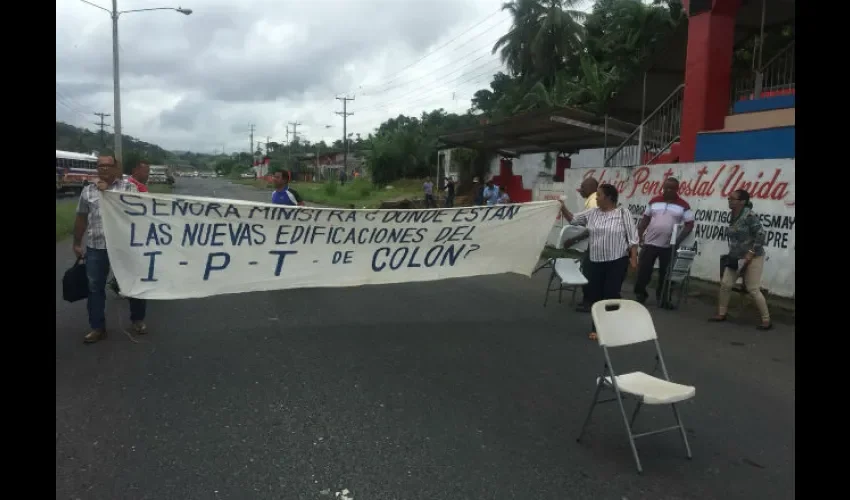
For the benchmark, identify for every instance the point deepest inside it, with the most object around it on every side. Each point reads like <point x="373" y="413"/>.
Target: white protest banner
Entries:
<point x="176" y="247"/>
<point x="706" y="186"/>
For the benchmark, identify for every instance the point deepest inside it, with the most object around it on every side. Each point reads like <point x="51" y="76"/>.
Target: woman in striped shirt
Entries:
<point x="613" y="245"/>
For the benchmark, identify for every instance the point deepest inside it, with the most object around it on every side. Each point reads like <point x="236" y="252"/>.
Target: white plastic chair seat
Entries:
<point x="569" y="271"/>
<point x="652" y="390"/>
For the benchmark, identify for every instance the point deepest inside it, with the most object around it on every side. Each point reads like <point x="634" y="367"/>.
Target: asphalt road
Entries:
<point x="461" y="389"/>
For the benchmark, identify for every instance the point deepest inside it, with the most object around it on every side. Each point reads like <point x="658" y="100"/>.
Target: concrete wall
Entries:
<point x="705" y="187"/>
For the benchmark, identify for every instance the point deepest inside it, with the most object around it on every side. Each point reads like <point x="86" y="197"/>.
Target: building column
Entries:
<point x="711" y="39"/>
<point x="506" y="169"/>
<point x="561" y="164"/>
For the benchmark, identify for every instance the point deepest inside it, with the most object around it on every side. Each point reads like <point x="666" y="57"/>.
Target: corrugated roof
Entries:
<point x="567" y="130"/>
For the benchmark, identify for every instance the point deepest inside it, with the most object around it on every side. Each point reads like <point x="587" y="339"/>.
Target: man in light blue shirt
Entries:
<point x="491" y="193"/>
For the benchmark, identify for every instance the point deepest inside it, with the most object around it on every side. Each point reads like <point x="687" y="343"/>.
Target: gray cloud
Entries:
<point x="196" y="82"/>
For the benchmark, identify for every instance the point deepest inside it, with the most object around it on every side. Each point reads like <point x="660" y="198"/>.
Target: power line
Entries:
<point x="386" y="87"/>
<point x="436" y="70"/>
<point x="434" y="98"/>
<point x="443" y="84"/>
<point x="67" y="103"/>
<point x="442" y="46"/>
<point x="345" y="114"/>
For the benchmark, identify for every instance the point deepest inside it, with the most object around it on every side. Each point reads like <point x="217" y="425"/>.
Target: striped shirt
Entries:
<point x="89" y="205"/>
<point x="663" y="216"/>
<point x="611" y="233"/>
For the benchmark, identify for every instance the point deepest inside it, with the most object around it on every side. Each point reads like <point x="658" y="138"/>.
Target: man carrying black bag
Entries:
<point x="90" y="224"/>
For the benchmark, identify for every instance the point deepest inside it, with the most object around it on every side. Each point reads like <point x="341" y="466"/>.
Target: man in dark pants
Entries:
<point x="89" y="224"/>
<point x="450" y="192"/>
<point x="655" y="231"/>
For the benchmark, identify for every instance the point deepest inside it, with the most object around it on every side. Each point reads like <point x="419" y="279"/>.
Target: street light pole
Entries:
<point x="116" y="75"/>
<point x="116" y="82"/>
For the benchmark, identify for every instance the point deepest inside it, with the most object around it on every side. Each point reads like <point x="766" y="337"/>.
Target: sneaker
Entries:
<point x="140" y="328"/>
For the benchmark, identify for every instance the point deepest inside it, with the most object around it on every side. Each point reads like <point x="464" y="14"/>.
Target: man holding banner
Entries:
<point x="90" y="224"/>
<point x="282" y="194"/>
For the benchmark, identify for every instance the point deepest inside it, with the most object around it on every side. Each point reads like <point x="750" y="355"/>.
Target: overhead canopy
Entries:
<point x="566" y="130"/>
<point x="665" y="67"/>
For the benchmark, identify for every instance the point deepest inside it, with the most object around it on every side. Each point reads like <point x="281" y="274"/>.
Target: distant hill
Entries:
<point x="80" y="140"/>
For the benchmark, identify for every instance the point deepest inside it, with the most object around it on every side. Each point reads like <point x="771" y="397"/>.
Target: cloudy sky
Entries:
<point x="198" y="82"/>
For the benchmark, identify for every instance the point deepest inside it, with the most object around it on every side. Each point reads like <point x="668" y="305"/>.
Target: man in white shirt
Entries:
<point x="89" y="224"/>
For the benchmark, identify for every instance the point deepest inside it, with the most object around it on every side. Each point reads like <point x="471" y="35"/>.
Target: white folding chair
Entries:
<point x="679" y="274"/>
<point x="619" y="323"/>
<point x="565" y="270"/>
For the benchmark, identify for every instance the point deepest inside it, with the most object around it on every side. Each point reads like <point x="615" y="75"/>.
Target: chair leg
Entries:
<point x="629" y="431"/>
<point x="549" y="287"/>
<point x="560" y="293"/>
<point x="573" y="300"/>
<point x="635" y="414"/>
<point x="548" y="263"/>
<point x="682" y="430"/>
<point x="590" y="412"/>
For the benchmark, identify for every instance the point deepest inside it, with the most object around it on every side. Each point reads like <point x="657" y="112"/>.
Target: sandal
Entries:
<point x="764" y="327"/>
<point x="717" y="319"/>
<point x="592" y="336"/>
<point x="140" y="328"/>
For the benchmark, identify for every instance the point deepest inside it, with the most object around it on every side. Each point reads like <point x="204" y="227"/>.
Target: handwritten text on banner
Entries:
<point x="174" y="247"/>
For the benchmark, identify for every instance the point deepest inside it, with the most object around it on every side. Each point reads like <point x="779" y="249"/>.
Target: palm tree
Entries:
<point x="514" y="46"/>
<point x="545" y="36"/>
<point x="590" y="89"/>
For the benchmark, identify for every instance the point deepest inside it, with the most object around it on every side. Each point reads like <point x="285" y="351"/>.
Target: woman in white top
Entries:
<point x="613" y="245"/>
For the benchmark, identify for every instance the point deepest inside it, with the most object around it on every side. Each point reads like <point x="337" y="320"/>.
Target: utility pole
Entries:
<point x="345" y="114"/>
<point x="252" y="141"/>
<point x="101" y="124"/>
<point x="294" y="136"/>
<point x="294" y="130"/>
<point x="288" y="147"/>
<point x="268" y="139"/>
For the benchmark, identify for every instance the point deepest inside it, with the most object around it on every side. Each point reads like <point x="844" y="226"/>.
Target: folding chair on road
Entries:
<point x="679" y="274"/>
<point x="565" y="270"/>
<point x="626" y="322"/>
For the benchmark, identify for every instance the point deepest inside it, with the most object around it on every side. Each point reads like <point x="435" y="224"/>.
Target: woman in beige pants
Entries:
<point x="746" y="257"/>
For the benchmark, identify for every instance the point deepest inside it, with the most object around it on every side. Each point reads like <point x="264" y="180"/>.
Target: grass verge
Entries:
<point x="360" y="192"/>
<point x="161" y="188"/>
<point x="65" y="215"/>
